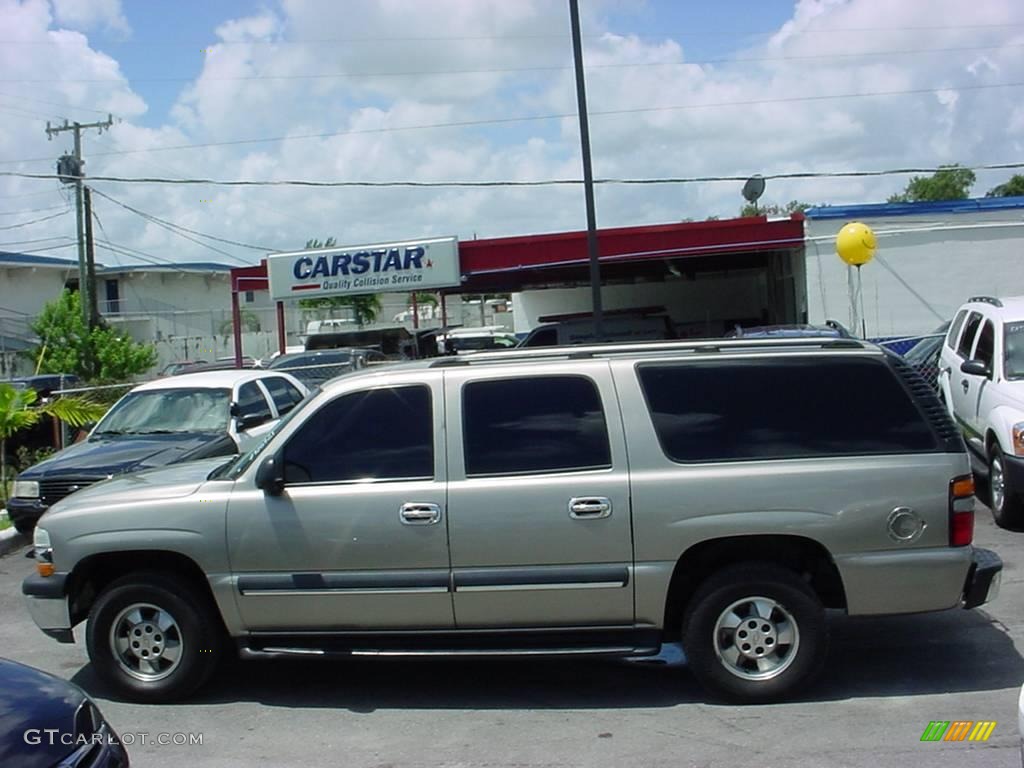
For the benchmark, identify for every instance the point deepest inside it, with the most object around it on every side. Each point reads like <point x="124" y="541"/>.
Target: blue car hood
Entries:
<point x="30" y="699"/>
<point x="105" y="456"/>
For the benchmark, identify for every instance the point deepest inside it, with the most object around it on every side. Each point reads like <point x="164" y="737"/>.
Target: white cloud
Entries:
<point x="364" y="68"/>
<point x="88" y="14"/>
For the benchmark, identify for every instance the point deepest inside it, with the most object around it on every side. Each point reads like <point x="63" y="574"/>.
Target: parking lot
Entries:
<point x="886" y="679"/>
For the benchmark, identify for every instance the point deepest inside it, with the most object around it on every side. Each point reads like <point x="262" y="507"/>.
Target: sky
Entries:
<point x="481" y="90"/>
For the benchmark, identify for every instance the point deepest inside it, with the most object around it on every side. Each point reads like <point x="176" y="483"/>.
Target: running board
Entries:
<point x="271" y="652"/>
<point x="595" y="641"/>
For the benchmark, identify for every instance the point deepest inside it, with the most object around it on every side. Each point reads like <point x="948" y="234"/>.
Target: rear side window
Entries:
<point x="955" y="327"/>
<point x="380" y="434"/>
<point x="533" y="425"/>
<point x="985" y="350"/>
<point x="782" y="409"/>
<point x="251" y="401"/>
<point x="285" y="394"/>
<point x="967" y="340"/>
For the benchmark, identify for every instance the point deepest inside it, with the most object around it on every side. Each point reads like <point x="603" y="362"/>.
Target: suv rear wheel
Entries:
<point x="754" y="632"/>
<point x="152" y="637"/>
<point x="1006" y="502"/>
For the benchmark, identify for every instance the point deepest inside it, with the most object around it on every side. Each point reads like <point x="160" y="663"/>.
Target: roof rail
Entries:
<point x="591" y="351"/>
<point x="985" y="300"/>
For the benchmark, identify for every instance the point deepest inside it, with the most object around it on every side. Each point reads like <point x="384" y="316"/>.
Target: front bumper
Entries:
<point x="48" y="605"/>
<point x="25" y="513"/>
<point x="983" y="579"/>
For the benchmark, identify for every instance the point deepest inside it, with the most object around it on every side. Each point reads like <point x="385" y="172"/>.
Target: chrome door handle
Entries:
<point x="412" y="513"/>
<point x="589" y="508"/>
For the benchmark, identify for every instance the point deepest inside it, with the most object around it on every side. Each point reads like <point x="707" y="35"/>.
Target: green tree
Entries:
<point x="18" y="411"/>
<point x="68" y="345"/>
<point x="950" y="182"/>
<point x="250" y="322"/>
<point x="365" y="307"/>
<point x="1012" y="188"/>
<point x="772" y="209"/>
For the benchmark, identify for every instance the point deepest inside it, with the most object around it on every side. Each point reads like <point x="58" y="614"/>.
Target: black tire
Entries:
<point x="803" y="651"/>
<point x="1007" y="508"/>
<point x="197" y="634"/>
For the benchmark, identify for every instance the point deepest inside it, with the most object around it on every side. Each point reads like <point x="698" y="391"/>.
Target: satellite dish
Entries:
<point x="753" y="188"/>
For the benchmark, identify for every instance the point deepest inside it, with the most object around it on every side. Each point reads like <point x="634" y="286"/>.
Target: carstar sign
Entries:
<point x="414" y="265"/>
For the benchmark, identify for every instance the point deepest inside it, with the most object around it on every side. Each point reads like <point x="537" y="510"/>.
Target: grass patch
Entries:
<point x="5" y="522"/>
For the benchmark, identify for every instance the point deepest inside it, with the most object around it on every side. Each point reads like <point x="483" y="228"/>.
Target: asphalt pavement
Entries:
<point x="885" y="680"/>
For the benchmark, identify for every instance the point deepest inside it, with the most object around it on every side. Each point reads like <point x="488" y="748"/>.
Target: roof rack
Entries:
<point x="592" y="351"/>
<point x="985" y="300"/>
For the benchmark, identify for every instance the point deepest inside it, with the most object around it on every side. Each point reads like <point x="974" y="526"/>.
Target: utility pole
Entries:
<point x="90" y="261"/>
<point x="588" y="174"/>
<point x="70" y="169"/>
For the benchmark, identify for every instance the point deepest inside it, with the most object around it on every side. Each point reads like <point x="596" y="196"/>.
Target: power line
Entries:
<point x="173" y="228"/>
<point x="48" y="248"/>
<point x="547" y="36"/>
<point x="35" y="240"/>
<point x="535" y="118"/>
<point x="158" y="220"/>
<point x="487" y="184"/>
<point x="513" y="70"/>
<point x="32" y="210"/>
<point x="36" y="221"/>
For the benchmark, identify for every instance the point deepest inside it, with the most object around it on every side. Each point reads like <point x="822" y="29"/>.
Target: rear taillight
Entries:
<point x="961" y="511"/>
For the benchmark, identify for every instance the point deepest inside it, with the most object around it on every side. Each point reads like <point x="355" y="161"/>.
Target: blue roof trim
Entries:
<point x="188" y="266"/>
<point x="31" y="260"/>
<point x="971" y="205"/>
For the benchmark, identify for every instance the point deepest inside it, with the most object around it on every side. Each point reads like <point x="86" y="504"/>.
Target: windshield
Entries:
<point x="297" y="361"/>
<point x="1013" y="344"/>
<point x="163" y="411"/>
<point x="234" y="469"/>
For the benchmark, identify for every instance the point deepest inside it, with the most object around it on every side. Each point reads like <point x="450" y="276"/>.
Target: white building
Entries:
<point x="931" y="258"/>
<point x="27" y="281"/>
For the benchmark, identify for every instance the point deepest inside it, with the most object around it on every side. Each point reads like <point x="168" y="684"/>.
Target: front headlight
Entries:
<point x="1018" y="439"/>
<point x="43" y="551"/>
<point x="26" y="489"/>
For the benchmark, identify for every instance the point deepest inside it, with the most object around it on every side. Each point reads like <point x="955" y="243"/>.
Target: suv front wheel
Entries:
<point x="1006" y="502"/>
<point x="754" y="632"/>
<point x="152" y="637"/>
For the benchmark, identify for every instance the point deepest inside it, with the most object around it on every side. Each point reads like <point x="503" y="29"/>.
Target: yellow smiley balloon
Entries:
<point x="856" y="244"/>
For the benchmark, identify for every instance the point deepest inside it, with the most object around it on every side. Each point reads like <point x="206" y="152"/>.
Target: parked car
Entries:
<point x="981" y="378"/>
<point x="317" y="366"/>
<point x="637" y="324"/>
<point x="485" y="505"/>
<point x="924" y="356"/>
<point x="179" y="367"/>
<point x="831" y="329"/>
<point x="46" y="722"/>
<point x="462" y="341"/>
<point x="48" y="383"/>
<point x="167" y="421"/>
<point x="1020" y="723"/>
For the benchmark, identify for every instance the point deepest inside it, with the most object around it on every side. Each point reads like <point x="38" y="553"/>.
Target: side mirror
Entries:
<point x="270" y="476"/>
<point x="975" y="368"/>
<point x="250" y="420"/>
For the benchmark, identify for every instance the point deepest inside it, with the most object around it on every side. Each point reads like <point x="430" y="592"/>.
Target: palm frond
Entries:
<point x="75" y="411"/>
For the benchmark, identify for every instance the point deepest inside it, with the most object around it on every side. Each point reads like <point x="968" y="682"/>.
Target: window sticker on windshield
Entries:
<point x="1015" y="328"/>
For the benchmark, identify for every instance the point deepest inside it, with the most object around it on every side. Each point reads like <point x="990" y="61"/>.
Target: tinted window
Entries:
<point x="954" y="329"/>
<point x="382" y="434"/>
<point x="967" y="340"/>
<point x="285" y="394"/>
<point x="781" y="409"/>
<point x="1013" y="343"/>
<point x="544" y="337"/>
<point x="540" y="424"/>
<point x="252" y="401"/>
<point x="986" y="344"/>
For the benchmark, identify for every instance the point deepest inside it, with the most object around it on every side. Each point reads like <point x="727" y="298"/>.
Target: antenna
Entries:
<point x="753" y="188"/>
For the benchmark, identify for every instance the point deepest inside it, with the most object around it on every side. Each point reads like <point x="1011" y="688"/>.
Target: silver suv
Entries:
<point x="568" y="501"/>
